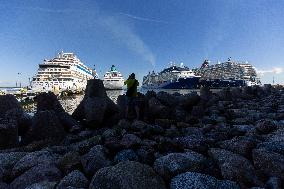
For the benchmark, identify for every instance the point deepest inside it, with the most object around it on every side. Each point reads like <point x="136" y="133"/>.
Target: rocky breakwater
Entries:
<point x="231" y="139"/>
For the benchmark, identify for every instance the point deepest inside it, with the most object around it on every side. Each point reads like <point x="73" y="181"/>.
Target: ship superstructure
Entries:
<point x="173" y="77"/>
<point x="113" y="79"/>
<point x="240" y="73"/>
<point x="62" y="73"/>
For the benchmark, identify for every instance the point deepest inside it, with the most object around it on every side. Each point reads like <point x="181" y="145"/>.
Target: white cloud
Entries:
<point x="143" y="18"/>
<point x="125" y="34"/>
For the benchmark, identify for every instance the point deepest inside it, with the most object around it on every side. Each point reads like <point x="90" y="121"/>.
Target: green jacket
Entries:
<point x="132" y="83"/>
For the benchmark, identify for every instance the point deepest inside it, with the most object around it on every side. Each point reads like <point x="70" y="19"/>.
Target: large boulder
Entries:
<point x="176" y="163"/>
<point x="193" y="142"/>
<point x="167" y="99"/>
<point x="125" y="155"/>
<point x="68" y="122"/>
<point x="269" y="163"/>
<point x="273" y="183"/>
<point x="43" y="185"/>
<point x="127" y="175"/>
<point x="95" y="159"/>
<point x="188" y="101"/>
<point x="69" y="162"/>
<point x="32" y="159"/>
<point x="265" y="126"/>
<point x="7" y="161"/>
<point x="42" y="172"/>
<point x="84" y="146"/>
<point x="96" y="107"/>
<point x="277" y="146"/>
<point x="241" y="145"/>
<point x="48" y="101"/>
<point x="235" y="167"/>
<point x="205" y="93"/>
<point x="46" y="125"/>
<point x="95" y="88"/>
<point x="3" y="185"/>
<point x="8" y="134"/>
<point x="8" y="102"/>
<point x="75" y="179"/>
<point x="192" y="180"/>
<point x="130" y="141"/>
<point x="157" y="110"/>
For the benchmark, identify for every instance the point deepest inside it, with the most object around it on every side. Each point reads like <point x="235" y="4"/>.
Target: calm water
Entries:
<point x="70" y="103"/>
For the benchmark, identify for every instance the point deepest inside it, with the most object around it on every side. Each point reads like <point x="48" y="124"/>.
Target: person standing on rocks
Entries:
<point x="131" y="94"/>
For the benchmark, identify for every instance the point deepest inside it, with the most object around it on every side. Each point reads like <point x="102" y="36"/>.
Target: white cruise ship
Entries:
<point x="65" y="72"/>
<point x="113" y="79"/>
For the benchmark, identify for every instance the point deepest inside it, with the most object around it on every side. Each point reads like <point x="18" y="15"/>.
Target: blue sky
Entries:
<point x="141" y="35"/>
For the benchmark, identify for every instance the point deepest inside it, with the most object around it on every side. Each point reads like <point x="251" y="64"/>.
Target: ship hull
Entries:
<point x="218" y="83"/>
<point x="113" y="85"/>
<point x="182" y="83"/>
<point x="196" y="83"/>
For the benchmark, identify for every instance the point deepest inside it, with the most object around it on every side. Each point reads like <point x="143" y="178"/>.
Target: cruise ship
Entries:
<point x="173" y="77"/>
<point x="113" y="79"/>
<point x="65" y="72"/>
<point x="227" y="74"/>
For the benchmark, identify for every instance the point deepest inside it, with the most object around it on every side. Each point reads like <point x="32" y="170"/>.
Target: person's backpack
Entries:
<point x="131" y="89"/>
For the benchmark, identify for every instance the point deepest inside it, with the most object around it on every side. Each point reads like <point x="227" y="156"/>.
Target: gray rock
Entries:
<point x="110" y="133"/>
<point x="273" y="183"/>
<point x="68" y="122"/>
<point x="69" y="162"/>
<point x="74" y="179"/>
<point x="276" y="136"/>
<point x="95" y="109"/>
<point x="234" y="167"/>
<point x="130" y="141"/>
<point x="193" y="142"/>
<point x="167" y="99"/>
<point x="7" y="161"/>
<point x="146" y="155"/>
<point x="277" y="146"/>
<point x="125" y="155"/>
<point x="176" y="163"/>
<point x="244" y="128"/>
<point x="124" y="124"/>
<point x="4" y="185"/>
<point x="157" y="110"/>
<point x="36" y="174"/>
<point x="8" y="102"/>
<point x="269" y="163"/>
<point x="42" y="185"/>
<point x="188" y="101"/>
<point x="47" y="125"/>
<point x="84" y="146"/>
<point x="95" y="88"/>
<point x="32" y="159"/>
<point x="47" y="102"/>
<point x="192" y="180"/>
<point x="164" y="123"/>
<point x="240" y="145"/>
<point x="266" y="126"/>
<point x="127" y="175"/>
<point x="94" y="160"/>
<point x="8" y="134"/>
